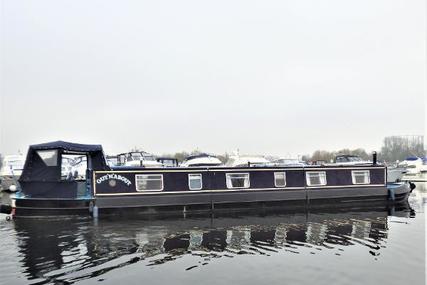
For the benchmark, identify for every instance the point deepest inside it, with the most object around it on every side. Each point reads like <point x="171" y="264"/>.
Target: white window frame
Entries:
<point x="140" y="176"/>
<point x="229" y="184"/>
<point x="364" y="171"/>
<point x="195" y="175"/>
<point x="275" y="179"/>
<point x="308" y="175"/>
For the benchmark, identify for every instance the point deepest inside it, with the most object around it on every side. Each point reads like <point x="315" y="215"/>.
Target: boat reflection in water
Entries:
<point x="76" y="249"/>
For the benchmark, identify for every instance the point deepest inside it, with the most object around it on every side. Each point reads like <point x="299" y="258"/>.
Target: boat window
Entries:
<point x="149" y="182"/>
<point x="73" y="167"/>
<point x="316" y="178"/>
<point x="148" y="157"/>
<point x="135" y="156"/>
<point x="49" y="157"/>
<point x="280" y="179"/>
<point x="168" y="162"/>
<point x="360" y="177"/>
<point x="237" y="180"/>
<point x="195" y="181"/>
<point x="341" y="159"/>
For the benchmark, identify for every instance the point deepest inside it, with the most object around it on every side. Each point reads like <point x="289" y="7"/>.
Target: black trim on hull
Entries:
<point x="207" y="198"/>
<point x="52" y="203"/>
<point x="216" y="201"/>
<point x="50" y="212"/>
<point x="290" y="207"/>
<point x="51" y="207"/>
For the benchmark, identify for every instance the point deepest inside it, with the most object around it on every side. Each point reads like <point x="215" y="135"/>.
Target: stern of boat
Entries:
<point x="398" y="192"/>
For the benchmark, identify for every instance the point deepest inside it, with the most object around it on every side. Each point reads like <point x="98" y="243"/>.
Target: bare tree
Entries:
<point x="399" y="147"/>
<point x="330" y="155"/>
<point x="223" y="157"/>
<point x="322" y="155"/>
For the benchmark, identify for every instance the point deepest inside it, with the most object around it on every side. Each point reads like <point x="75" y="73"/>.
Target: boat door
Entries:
<point x="74" y="168"/>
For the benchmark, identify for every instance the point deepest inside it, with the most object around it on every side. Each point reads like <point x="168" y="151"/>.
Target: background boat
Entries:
<point x="12" y="166"/>
<point x="202" y="159"/>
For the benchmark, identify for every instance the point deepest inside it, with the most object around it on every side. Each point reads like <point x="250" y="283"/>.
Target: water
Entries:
<point x="370" y="246"/>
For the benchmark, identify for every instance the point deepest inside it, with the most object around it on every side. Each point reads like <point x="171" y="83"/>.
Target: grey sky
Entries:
<point x="277" y="77"/>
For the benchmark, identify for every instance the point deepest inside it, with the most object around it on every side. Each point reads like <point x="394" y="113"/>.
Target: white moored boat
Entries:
<point x="138" y="158"/>
<point x="424" y="166"/>
<point x="202" y="159"/>
<point x="10" y="171"/>
<point x="347" y="159"/>
<point x="293" y="162"/>
<point x="395" y="173"/>
<point x="413" y="165"/>
<point x="247" y="160"/>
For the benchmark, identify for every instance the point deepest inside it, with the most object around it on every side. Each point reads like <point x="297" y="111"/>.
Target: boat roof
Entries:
<point x="412" y="158"/>
<point x="68" y="146"/>
<point x="36" y="169"/>
<point x="138" y="152"/>
<point x="199" y="156"/>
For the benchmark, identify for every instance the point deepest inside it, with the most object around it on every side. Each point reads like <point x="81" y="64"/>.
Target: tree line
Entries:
<point x="181" y="156"/>
<point x="394" y="148"/>
<point x="399" y="147"/>
<point x="328" y="156"/>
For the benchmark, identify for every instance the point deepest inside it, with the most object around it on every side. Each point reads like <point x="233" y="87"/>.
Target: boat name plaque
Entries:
<point x="113" y="177"/>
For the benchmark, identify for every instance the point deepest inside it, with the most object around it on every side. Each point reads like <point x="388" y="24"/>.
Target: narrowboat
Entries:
<point x="44" y="190"/>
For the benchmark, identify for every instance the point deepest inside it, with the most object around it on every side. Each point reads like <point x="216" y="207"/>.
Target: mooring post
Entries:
<point x="391" y="194"/>
<point x="95" y="212"/>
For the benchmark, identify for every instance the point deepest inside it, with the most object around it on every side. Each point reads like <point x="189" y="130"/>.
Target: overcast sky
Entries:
<point x="281" y="77"/>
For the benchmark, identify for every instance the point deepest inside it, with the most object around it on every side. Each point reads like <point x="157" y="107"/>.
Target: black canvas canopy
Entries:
<point x="41" y="175"/>
<point x="77" y="147"/>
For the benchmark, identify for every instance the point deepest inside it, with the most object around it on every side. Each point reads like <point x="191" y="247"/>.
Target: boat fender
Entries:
<point x="412" y="185"/>
<point x="391" y="193"/>
<point x="6" y="209"/>
<point x="95" y="212"/>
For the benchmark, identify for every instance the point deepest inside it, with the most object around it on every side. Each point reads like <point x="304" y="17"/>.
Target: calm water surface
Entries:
<point x="364" y="246"/>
